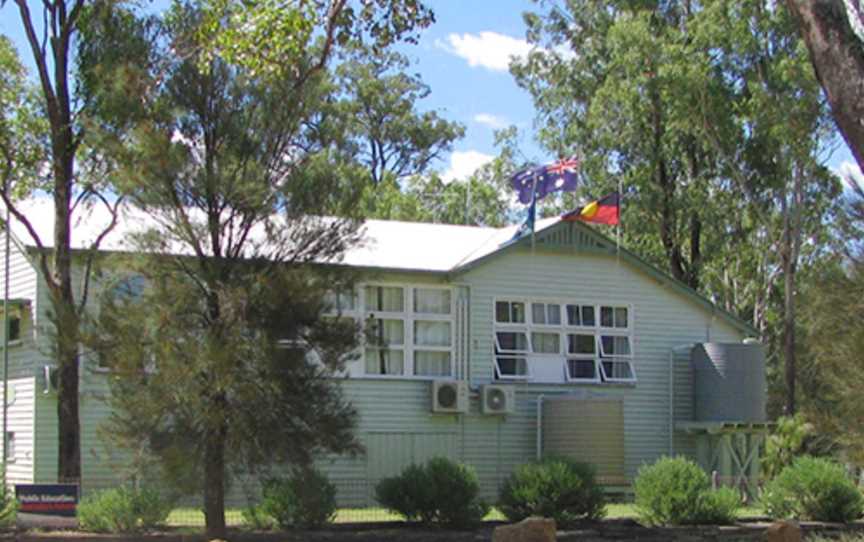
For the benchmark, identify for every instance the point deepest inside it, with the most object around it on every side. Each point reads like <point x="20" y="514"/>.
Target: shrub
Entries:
<point x="676" y="491"/>
<point x="151" y="508"/>
<point x="813" y="489"/>
<point x="123" y="510"/>
<point x="306" y="499"/>
<point x="557" y="488"/>
<point x="439" y="491"/>
<point x="8" y="506"/>
<point x="255" y="518"/>
<point x="718" y="507"/>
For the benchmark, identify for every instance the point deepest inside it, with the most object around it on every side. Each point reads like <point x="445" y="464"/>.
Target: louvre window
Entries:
<point x="578" y="342"/>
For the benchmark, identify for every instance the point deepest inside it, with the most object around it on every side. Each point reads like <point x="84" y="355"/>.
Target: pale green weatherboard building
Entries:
<point x="498" y="352"/>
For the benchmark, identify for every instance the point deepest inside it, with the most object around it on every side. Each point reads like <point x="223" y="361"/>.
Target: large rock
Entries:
<point x="783" y="531"/>
<point x="531" y="529"/>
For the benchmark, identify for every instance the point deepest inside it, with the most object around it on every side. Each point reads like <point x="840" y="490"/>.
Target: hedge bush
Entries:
<point x="306" y="499"/>
<point x="123" y="510"/>
<point x="557" y="488"/>
<point x="813" y="489"/>
<point x="439" y="491"/>
<point x="676" y="491"/>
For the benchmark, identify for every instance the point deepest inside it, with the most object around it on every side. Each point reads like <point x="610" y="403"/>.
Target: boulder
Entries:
<point x="533" y="529"/>
<point x="783" y="531"/>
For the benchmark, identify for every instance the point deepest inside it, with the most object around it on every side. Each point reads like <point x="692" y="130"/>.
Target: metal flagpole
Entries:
<point x="618" y="225"/>
<point x="6" y="346"/>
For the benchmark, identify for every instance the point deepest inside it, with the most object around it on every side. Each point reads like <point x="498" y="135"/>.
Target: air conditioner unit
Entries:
<point x="49" y="379"/>
<point x="496" y="399"/>
<point x="449" y="396"/>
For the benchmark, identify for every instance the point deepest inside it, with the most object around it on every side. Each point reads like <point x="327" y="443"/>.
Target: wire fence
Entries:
<point x="354" y="498"/>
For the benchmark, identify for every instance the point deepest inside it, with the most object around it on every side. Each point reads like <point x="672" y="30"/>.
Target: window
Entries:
<point x="9" y="447"/>
<point x="581" y="344"/>
<point x="409" y="331"/>
<point x="385" y="353"/>
<point x="512" y="341"/>
<point x="510" y="367"/>
<point x="614" y="345"/>
<point x="615" y="317"/>
<point x="385" y="299"/>
<point x="510" y="312"/>
<point x="545" y="343"/>
<point x="582" y="370"/>
<point x="563" y="342"/>
<point x="580" y="315"/>
<point x="340" y="301"/>
<point x="432" y="301"/>
<point x="549" y="314"/>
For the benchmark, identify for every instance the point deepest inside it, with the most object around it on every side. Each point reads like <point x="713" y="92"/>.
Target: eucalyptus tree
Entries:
<point x="708" y="116"/>
<point x="378" y="111"/>
<point x="48" y="147"/>
<point x="248" y="200"/>
<point x="834" y="33"/>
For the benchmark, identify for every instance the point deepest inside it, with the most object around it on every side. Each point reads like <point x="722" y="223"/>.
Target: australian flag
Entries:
<point x="535" y="183"/>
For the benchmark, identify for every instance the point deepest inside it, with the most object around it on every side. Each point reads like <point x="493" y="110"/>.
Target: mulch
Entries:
<point x="603" y="531"/>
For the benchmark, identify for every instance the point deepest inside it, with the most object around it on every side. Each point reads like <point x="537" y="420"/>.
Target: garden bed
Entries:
<point x="602" y="531"/>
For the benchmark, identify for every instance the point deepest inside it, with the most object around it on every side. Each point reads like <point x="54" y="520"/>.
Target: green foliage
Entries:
<point x="813" y="489"/>
<point x="439" y="491"/>
<point x="831" y="319"/>
<point x="791" y="437"/>
<point x="557" y="488"/>
<point x="718" y="507"/>
<point x="255" y="518"/>
<point x="306" y="499"/>
<point x="8" y="506"/>
<point x="302" y="34"/>
<point x="676" y="491"/>
<point x="123" y="510"/>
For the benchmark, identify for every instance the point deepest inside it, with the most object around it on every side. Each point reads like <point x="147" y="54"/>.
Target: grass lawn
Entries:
<point x="192" y="517"/>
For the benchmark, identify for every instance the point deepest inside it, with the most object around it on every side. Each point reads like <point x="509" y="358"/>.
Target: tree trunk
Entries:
<point x="789" y="337"/>
<point x="65" y="310"/>
<point x="214" y="485"/>
<point x="838" y="59"/>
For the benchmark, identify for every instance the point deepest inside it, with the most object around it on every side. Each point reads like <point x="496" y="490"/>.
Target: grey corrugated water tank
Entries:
<point x="729" y="382"/>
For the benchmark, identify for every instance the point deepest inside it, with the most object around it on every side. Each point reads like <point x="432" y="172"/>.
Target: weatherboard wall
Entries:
<point x="662" y="317"/>
<point x="396" y="426"/>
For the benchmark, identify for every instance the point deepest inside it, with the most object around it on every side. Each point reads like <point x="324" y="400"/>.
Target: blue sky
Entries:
<point x="463" y="58"/>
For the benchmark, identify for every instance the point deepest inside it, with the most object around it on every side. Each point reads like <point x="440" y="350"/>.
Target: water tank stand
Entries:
<point x="731" y="449"/>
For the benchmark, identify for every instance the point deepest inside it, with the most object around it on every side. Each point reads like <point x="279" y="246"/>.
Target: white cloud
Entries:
<point x="489" y="50"/>
<point x="490" y="120"/>
<point x="464" y="163"/>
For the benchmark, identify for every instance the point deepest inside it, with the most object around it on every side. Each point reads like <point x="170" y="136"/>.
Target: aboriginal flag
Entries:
<point x="606" y="210"/>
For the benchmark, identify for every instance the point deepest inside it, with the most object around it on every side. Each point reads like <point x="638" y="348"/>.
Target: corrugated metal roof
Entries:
<point x="386" y="244"/>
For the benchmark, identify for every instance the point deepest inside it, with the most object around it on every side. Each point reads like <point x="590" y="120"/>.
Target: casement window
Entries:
<point x="409" y="331"/>
<point x="563" y="342"/>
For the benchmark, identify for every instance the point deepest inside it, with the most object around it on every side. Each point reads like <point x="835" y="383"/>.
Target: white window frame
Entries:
<point x="501" y="376"/>
<point x="408" y="317"/>
<point x="569" y="378"/>
<point x="563" y="330"/>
